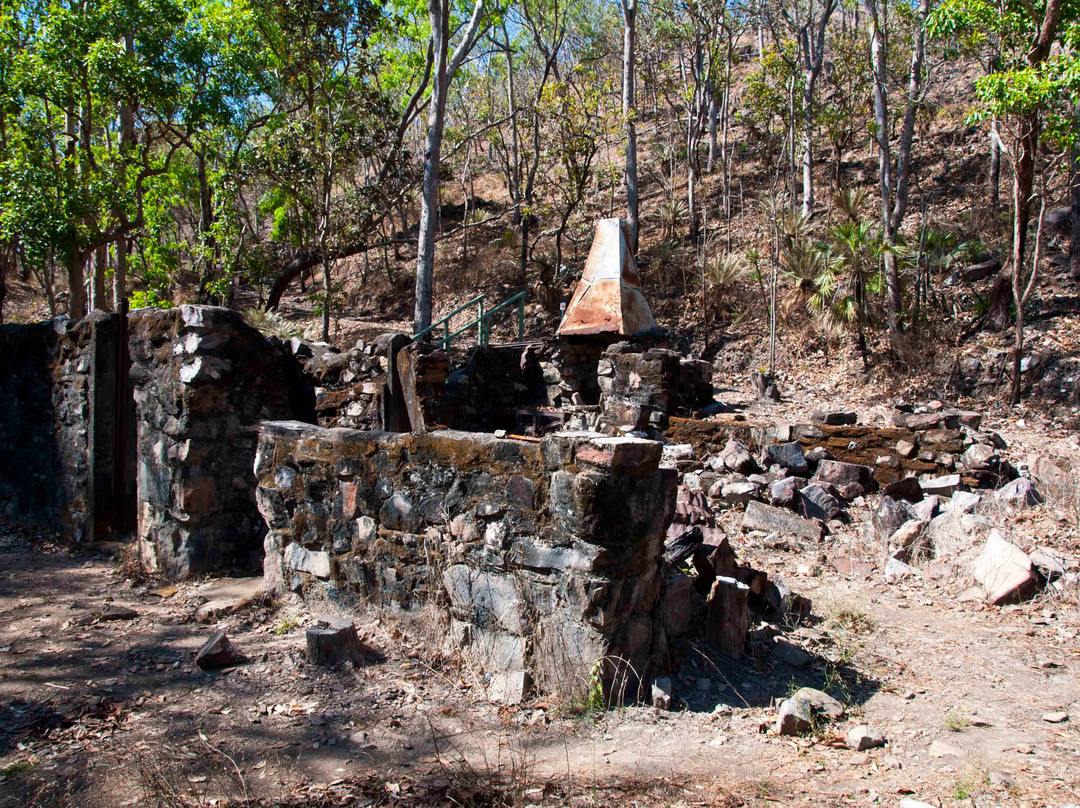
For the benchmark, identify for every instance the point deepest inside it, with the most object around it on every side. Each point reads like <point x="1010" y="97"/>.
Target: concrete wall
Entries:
<point x="547" y="555"/>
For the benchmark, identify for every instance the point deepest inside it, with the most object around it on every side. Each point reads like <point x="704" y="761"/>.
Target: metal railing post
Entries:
<point x="521" y="318"/>
<point x="480" y="324"/>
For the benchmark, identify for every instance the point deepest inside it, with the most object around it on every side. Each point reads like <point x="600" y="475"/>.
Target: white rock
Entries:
<point x="1004" y="570"/>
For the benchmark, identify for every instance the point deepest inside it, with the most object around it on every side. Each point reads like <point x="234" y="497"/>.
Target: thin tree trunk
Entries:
<point x="100" y="294"/>
<point x="629" y="8"/>
<point x="442" y="74"/>
<point x="995" y="165"/>
<point x="1074" y="213"/>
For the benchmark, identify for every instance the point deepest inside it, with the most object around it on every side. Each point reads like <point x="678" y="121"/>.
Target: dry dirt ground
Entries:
<point x="113" y="712"/>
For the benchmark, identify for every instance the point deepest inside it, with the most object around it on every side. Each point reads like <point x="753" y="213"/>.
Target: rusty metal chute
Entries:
<point x="608" y="299"/>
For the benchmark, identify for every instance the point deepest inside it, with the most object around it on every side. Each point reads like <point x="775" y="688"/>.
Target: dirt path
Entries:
<point x="114" y="712"/>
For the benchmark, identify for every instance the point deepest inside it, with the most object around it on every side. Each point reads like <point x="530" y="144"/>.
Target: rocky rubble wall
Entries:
<point x="203" y="381"/>
<point x="547" y="555"/>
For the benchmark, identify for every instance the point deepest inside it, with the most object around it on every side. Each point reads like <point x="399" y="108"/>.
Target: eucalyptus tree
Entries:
<point x="444" y="25"/>
<point x="894" y="180"/>
<point x="806" y="21"/>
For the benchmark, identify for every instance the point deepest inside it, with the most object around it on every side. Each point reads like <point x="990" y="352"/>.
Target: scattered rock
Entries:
<point x="1019" y="493"/>
<point x="786" y="455"/>
<point x="789" y="653"/>
<point x="821" y="702"/>
<point x="1055" y="718"/>
<point x="228" y="595"/>
<point x="837" y="473"/>
<point x="944" y="486"/>
<point x="905" y="448"/>
<point x="737" y="458"/>
<point x="217" y="652"/>
<point x="784" y="492"/>
<point x="1050" y="564"/>
<point x="908" y="540"/>
<point x="114" y="611"/>
<point x="964" y="502"/>
<point x="979" y="457"/>
<point x="890" y="515"/>
<point x="862" y="737"/>
<point x="769" y="519"/>
<point x="662" y="693"/>
<point x="794" y="717"/>
<point x="739" y="492"/>
<point x="897" y="570"/>
<point x="815" y="502"/>
<point x="1004" y="570"/>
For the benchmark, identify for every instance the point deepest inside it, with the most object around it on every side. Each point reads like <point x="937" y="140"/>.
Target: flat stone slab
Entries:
<point x="770" y="519"/>
<point x="227" y="595"/>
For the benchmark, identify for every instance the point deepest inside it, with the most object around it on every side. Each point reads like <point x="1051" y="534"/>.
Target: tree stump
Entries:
<point x="728" y="617"/>
<point x="334" y="641"/>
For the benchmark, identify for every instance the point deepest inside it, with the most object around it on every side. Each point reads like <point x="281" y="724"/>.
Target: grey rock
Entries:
<point x="964" y="502"/>
<point x="927" y="507"/>
<point x="863" y="737"/>
<point x="313" y="562"/>
<point x="890" y="515"/>
<point x="736" y="457"/>
<point x="896" y="570"/>
<point x="1050" y="564"/>
<point x="790" y="654"/>
<point x="979" y="457"/>
<point x="788" y="456"/>
<point x="217" y="652"/>
<point x="821" y="702"/>
<point x="399" y="513"/>
<point x="944" y="486"/>
<point x="769" y="519"/>
<point x="794" y="717"/>
<point x="739" y="492"/>
<point x="815" y="502"/>
<point x="783" y="493"/>
<point x="1019" y="493"/>
<point x="836" y="473"/>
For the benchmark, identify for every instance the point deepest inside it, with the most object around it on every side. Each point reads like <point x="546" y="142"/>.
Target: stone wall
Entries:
<point x="59" y="425"/>
<point x="203" y="380"/>
<point x="547" y="555"/>
<point x="643" y="386"/>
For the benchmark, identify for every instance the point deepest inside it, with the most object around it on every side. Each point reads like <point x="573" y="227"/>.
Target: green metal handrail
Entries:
<point x="482" y="322"/>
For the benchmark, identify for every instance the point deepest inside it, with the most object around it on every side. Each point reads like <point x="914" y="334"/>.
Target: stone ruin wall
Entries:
<point x="58" y="416"/>
<point x="203" y="380"/>
<point x="547" y="554"/>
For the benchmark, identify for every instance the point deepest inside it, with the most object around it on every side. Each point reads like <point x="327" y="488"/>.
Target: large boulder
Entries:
<point x="777" y="520"/>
